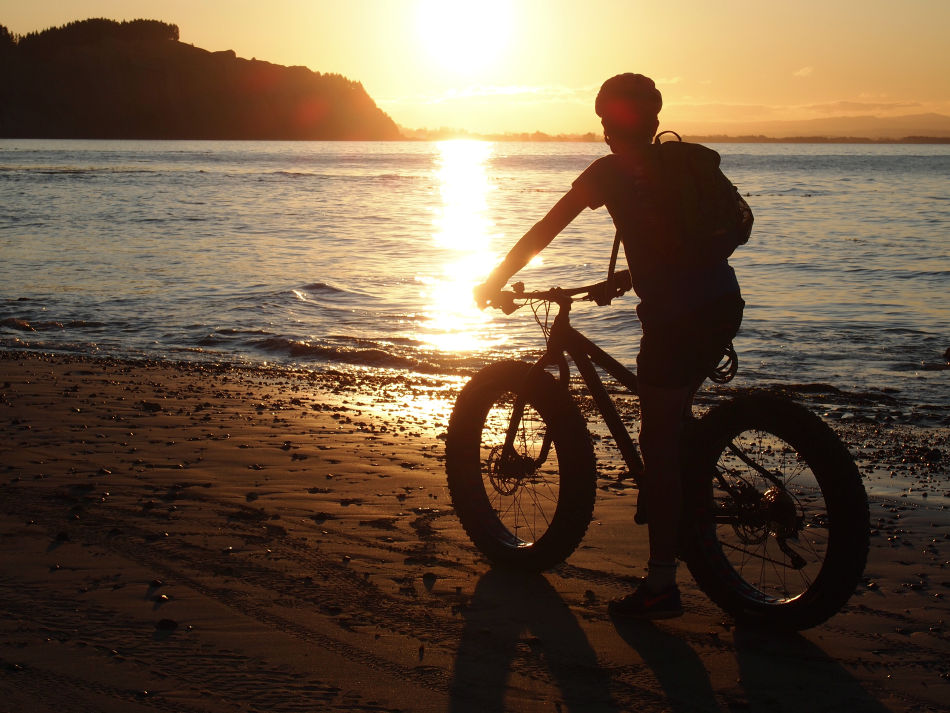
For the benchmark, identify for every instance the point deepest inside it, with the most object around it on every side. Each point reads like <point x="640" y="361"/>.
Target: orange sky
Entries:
<point x="526" y="65"/>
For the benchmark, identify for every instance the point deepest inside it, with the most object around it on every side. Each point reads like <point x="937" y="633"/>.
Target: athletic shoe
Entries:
<point x="644" y="604"/>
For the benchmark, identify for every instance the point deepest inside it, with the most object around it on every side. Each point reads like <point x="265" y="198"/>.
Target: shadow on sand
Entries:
<point x="519" y="636"/>
<point x="518" y="622"/>
<point x="778" y="672"/>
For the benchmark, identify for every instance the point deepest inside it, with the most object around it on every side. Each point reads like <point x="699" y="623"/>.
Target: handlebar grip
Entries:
<point x="623" y="281"/>
<point x="505" y="301"/>
<point x="604" y="292"/>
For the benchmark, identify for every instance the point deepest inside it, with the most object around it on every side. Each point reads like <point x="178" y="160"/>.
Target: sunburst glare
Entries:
<point x="464" y="38"/>
<point x="463" y="234"/>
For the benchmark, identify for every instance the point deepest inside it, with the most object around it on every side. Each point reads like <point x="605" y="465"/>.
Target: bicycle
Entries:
<point x="775" y="526"/>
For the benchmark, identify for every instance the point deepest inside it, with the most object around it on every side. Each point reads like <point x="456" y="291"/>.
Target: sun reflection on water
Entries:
<point x="462" y="236"/>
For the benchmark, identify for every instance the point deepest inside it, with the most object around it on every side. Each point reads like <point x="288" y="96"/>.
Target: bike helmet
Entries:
<point x="628" y="103"/>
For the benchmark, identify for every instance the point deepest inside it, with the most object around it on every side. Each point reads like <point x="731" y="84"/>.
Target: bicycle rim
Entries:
<point x="523" y="486"/>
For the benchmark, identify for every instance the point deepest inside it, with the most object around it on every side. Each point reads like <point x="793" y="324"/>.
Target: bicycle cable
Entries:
<point x="727" y="368"/>
<point x="536" y="306"/>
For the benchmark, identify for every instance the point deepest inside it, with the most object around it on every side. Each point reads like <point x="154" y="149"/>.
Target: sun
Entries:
<point x="462" y="36"/>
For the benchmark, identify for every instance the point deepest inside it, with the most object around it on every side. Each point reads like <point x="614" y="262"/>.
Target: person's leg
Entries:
<point x="662" y="414"/>
<point x="671" y="354"/>
<point x="662" y="411"/>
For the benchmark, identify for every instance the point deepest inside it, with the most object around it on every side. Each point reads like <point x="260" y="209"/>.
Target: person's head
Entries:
<point x="627" y="105"/>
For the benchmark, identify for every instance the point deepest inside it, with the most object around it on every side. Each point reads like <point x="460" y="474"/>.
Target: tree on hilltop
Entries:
<point x="84" y="32"/>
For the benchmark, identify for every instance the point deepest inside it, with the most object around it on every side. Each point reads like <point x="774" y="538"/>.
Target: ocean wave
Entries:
<point x="921" y="274"/>
<point x="868" y="406"/>
<point x="52" y="346"/>
<point x="370" y="354"/>
<point x="363" y="343"/>
<point x="23" y="325"/>
<point x="322" y="287"/>
<point x="321" y="177"/>
<point x="407" y="318"/>
<point x="320" y="295"/>
<point x="545" y="162"/>
<point x="74" y="170"/>
<point x="297" y="174"/>
<point x="235" y="331"/>
<point x="827" y="393"/>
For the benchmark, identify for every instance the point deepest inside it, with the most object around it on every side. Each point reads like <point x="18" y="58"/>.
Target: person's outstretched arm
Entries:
<point x="534" y="241"/>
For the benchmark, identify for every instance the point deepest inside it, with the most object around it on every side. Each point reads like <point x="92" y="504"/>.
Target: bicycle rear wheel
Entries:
<point x="777" y="524"/>
<point x="529" y="506"/>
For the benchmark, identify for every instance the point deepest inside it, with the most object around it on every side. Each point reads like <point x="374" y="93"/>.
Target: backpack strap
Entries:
<point x="656" y="139"/>
<point x="613" y="257"/>
<point x="611" y="269"/>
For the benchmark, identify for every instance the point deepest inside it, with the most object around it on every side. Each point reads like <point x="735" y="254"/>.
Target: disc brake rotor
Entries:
<point x="506" y="472"/>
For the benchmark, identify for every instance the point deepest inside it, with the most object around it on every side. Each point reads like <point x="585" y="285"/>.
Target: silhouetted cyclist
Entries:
<point x="690" y="310"/>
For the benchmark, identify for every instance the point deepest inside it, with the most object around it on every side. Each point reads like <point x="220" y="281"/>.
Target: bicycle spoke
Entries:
<point x="763" y="558"/>
<point x="523" y="499"/>
<point x="769" y="493"/>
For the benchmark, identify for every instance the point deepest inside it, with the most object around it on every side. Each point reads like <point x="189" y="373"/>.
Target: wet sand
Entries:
<point x="206" y="538"/>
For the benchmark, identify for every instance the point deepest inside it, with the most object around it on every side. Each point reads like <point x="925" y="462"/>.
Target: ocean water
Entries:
<point x="362" y="256"/>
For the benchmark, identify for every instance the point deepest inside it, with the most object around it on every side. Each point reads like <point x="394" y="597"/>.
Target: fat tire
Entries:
<point x="575" y="454"/>
<point x="844" y="497"/>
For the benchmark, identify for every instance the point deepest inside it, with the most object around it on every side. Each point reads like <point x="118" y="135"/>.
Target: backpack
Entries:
<point x="710" y="219"/>
<point x="701" y="215"/>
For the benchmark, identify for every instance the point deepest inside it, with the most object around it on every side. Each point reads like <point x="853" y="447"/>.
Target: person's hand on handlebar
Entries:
<point x="486" y="293"/>
<point x="489" y="294"/>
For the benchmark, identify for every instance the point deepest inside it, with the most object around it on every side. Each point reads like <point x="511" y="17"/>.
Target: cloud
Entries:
<point x="721" y="112"/>
<point x="852" y="107"/>
<point x="762" y="112"/>
<point x="803" y="72"/>
<point x="521" y="93"/>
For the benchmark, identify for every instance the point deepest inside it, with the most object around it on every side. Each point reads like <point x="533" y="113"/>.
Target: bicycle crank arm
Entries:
<point x="798" y="562"/>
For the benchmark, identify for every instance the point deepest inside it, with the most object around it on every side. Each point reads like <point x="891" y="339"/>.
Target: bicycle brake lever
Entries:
<point x="505" y="301"/>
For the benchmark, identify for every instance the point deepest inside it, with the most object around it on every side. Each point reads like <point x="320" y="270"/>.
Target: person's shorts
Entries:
<point x="685" y="351"/>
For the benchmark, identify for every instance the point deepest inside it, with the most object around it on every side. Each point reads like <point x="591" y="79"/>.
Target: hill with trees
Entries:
<point x="101" y="79"/>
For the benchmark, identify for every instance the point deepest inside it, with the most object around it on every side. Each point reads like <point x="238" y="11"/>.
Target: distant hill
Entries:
<point x="876" y="128"/>
<point x="103" y="79"/>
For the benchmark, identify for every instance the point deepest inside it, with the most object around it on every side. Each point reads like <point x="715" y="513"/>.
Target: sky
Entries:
<point x="495" y="66"/>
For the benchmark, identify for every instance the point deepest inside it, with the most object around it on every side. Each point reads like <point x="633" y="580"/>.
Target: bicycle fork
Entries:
<point x="512" y="464"/>
<point x="606" y="407"/>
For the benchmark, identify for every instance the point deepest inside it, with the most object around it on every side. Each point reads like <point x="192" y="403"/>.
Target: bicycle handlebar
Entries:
<point x="601" y="293"/>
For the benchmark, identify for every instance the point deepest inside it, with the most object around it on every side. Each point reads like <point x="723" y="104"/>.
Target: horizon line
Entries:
<point x="444" y="133"/>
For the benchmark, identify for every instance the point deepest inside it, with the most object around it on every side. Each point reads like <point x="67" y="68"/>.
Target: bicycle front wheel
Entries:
<point x="527" y="504"/>
<point x="776" y="517"/>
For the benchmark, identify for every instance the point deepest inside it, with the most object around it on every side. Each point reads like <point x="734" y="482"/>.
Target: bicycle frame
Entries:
<point x="565" y="339"/>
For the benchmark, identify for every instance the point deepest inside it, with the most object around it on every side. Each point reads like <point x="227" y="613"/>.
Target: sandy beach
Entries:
<point x="202" y="538"/>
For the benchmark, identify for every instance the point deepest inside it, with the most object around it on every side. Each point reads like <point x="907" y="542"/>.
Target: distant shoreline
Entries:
<point x="533" y="138"/>
<point x="537" y="136"/>
<point x="818" y="140"/>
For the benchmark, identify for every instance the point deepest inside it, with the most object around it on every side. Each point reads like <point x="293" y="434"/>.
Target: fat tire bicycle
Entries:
<point x="775" y="523"/>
